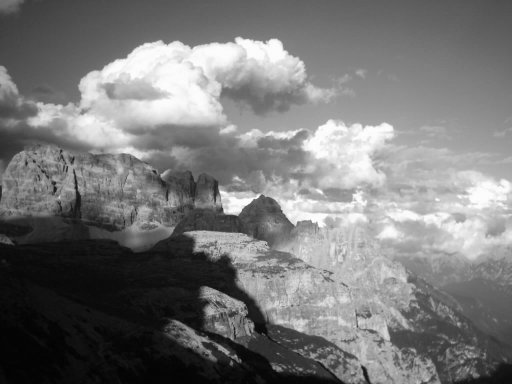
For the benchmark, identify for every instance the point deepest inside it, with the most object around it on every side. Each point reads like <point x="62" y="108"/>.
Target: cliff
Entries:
<point x="112" y="191"/>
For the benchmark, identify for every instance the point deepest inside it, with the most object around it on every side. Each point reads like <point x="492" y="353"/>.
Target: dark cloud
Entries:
<point x="136" y="89"/>
<point x="263" y="103"/>
<point x="19" y="111"/>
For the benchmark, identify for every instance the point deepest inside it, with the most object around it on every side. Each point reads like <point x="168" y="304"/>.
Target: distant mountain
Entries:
<point x="482" y="288"/>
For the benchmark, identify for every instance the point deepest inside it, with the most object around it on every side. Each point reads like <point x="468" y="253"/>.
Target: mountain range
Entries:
<point x="112" y="271"/>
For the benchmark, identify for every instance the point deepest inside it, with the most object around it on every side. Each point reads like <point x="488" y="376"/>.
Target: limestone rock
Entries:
<point x="92" y="311"/>
<point x="208" y="220"/>
<point x="263" y="219"/>
<point x="112" y="191"/>
<point x="396" y="305"/>
<point x="290" y="293"/>
<point x="207" y="193"/>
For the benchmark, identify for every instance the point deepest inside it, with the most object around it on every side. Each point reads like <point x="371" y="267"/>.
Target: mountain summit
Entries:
<point x="264" y="219"/>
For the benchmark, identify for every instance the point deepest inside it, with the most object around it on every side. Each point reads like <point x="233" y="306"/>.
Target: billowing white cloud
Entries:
<point x="482" y="191"/>
<point x="10" y="6"/>
<point x="174" y="84"/>
<point x="344" y="155"/>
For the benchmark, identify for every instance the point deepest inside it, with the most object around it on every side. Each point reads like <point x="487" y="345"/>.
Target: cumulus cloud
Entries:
<point x="174" y="84"/>
<point x="10" y="6"/>
<point x="344" y="155"/>
<point x="481" y="191"/>
<point x="164" y="98"/>
<point x="432" y="206"/>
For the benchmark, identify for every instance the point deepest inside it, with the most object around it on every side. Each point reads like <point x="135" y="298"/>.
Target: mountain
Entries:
<point x="482" y="288"/>
<point x="263" y="219"/>
<point x="228" y="299"/>
<point x="392" y="302"/>
<point x="92" y="311"/>
<point x="57" y="194"/>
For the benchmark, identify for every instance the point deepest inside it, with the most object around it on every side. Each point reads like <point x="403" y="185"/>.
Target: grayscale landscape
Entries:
<point x="256" y="192"/>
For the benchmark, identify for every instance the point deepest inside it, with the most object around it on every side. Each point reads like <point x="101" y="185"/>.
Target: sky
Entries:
<point x="393" y="113"/>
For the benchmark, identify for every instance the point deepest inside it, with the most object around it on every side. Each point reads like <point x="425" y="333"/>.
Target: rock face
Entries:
<point x="400" y="320"/>
<point x="263" y="219"/>
<point x="208" y="220"/>
<point x="92" y="311"/>
<point x="290" y="293"/>
<point x="398" y="306"/>
<point x="113" y="191"/>
<point x="207" y="193"/>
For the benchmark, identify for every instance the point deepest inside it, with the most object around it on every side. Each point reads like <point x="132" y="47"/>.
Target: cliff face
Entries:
<point x="92" y="311"/>
<point x="208" y="220"/>
<point x="113" y="191"/>
<point x="287" y="292"/>
<point x="397" y="305"/>
<point x="263" y="219"/>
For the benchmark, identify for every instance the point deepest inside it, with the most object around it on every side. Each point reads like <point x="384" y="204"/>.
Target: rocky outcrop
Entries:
<point x="208" y="220"/>
<point x="112" y="191"/>
<point x="263" y="219"/>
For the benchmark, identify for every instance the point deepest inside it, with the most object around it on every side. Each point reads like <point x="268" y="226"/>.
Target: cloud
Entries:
<point x="12" y="104"/>
<point x="174" y="84"/>
<point x="361" y="73"/>
<point x="481" y="191"/>
<point x="164" y="98"/>
<point x="10" y="6"/>
<point x="163" y="103"/>
<point x="436" y="132"/>
<point x="433" y="205"/>
<point x="344" y="155"/>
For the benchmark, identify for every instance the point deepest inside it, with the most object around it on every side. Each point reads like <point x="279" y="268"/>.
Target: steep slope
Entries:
<point x="290" y="293"/>
<point x="393" y="302"/>
<point x="92" y="311"/>
<point x="482" y="288"/>
<point x="487" y="304"/>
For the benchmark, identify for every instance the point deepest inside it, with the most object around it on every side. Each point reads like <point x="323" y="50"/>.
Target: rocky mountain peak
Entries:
<point x="264" y="219"/>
